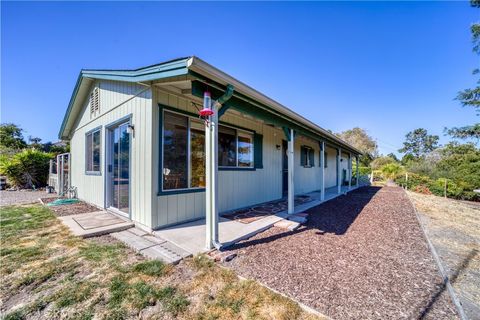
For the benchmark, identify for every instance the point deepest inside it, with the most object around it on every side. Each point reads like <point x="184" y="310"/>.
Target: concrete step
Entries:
<point x="151" y="246"/>
<point x="299" y="219"/>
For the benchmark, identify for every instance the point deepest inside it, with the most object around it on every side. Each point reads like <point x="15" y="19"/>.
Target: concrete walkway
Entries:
<point x="191" y="236"/>
<point x="98" y="223"/>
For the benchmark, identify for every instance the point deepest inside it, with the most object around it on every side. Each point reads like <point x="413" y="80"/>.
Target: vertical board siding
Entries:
<point x="114" y="106"/>
<point x="236" y="188"/>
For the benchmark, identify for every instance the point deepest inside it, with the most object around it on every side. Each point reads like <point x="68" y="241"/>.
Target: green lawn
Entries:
<point x="48" y="273"/>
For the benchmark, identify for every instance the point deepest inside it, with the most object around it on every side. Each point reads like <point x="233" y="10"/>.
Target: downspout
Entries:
<point x="212" y="167"/>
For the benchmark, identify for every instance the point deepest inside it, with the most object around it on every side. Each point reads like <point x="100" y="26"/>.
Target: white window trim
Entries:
<point x="87" y="135"/>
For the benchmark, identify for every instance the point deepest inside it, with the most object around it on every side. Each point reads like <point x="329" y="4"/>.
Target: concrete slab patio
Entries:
<point x="191" y="236"/>
<point x="94" y="224"/>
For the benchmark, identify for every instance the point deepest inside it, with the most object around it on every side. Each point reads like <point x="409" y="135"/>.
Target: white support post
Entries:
<point x="350" y="171"/>
<point x="358" y="172"/>
<point x="339" y="174"/>
<point x="322" y="171"/>
<point x="211" y="173"/>
<point x="291" y="181"/>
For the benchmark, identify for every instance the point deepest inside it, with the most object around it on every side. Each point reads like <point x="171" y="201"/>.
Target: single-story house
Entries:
<point x="137" y="144"/>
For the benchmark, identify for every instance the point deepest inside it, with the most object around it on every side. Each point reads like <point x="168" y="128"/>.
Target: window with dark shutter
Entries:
<point x="306" y="157"/>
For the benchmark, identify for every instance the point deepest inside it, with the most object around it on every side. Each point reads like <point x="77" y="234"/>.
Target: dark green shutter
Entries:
<point x="312" y="157"/>
<point x="258" y="151"/>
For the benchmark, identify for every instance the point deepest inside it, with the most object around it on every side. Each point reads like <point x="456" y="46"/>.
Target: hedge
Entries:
<point x="426" y="185"/>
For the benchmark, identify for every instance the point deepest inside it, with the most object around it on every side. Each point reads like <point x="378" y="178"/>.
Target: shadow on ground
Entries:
<point x="324" y="218"/>
<point x="466" y="261"/>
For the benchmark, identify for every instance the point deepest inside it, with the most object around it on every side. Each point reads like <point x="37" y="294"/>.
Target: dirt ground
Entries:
<point x="70" y="209"/>
<point x="454" y="229"/>
<point x="22" y="197"/>
<point x="360" y="256"/>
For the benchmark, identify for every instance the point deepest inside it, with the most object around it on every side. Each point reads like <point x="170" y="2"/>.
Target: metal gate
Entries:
<point x="63" y="174"/>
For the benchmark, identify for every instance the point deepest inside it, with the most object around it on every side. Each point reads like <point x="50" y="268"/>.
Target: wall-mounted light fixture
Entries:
<point x="278" y="147"/>
<point x="131" y="128"/>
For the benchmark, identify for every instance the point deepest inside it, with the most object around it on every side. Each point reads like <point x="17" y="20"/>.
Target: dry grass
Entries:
<point x="46" y="273"/>
<point x="454" y="228"/>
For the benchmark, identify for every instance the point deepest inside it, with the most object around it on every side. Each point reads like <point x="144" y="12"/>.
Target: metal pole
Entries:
<point x="350" y="171"/>
<point x="322" y="170"/>
<point x="208" y="176"/>
<point x="339" y="178"/>
<point x="357" y="182"/>
<point x="406" y="180"/>
<point x="291" y="181"/>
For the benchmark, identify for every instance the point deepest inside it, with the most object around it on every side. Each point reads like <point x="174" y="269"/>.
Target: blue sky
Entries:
<point x="388" y="67"/>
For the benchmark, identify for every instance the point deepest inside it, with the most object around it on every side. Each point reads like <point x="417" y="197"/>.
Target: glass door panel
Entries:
<point x="120" y="195"/>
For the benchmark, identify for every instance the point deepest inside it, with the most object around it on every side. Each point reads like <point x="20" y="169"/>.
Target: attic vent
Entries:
<point x="94" y="102"/>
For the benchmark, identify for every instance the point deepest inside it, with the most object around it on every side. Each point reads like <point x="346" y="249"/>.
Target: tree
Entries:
<point x="11" y="137"/>
<point x="379" y="162"/>
<point x="418" y="143"/>
<point x="461" y="163"/>
<point x="35" y="143"/>
<point x="470" y="97"/>
<point x="359" y="138"/>
<point x="393" y="156"/>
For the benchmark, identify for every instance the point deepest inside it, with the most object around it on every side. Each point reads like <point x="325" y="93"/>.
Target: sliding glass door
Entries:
<point x="119" y="168"/>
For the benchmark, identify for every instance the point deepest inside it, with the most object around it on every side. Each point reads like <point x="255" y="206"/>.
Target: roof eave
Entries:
<point x="166" y="70"/>
<point x="198" y="65"/>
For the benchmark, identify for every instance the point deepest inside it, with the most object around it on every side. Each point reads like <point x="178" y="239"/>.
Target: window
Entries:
<point x="227" y="147"/>
<point x="93" y="142"/>
<point x="175" y="139"/>
<point x="183" y="150"/>
<point x="306" y="157"/>
<point x="245" y="150"/>
<point x="235" y="148"/>
<point x="197" y="154"/>
<point x="326" y="159"/>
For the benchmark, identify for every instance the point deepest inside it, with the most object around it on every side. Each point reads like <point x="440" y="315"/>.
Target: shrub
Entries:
<point x="26" y="169"/>
<point x="423" y="184"/>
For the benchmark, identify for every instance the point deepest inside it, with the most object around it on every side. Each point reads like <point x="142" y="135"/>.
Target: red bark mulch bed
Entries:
<point x="360" y="256"/>
<point x="70" y="209"/>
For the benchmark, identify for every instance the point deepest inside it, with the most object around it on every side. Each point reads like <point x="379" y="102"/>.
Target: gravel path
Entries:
<point x="454" y="228"/>
<point x="8" y="198"/>
<point x="361" y="256"/>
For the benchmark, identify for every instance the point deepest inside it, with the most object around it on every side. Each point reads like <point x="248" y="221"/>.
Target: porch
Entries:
<point x="191" y="236"/>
